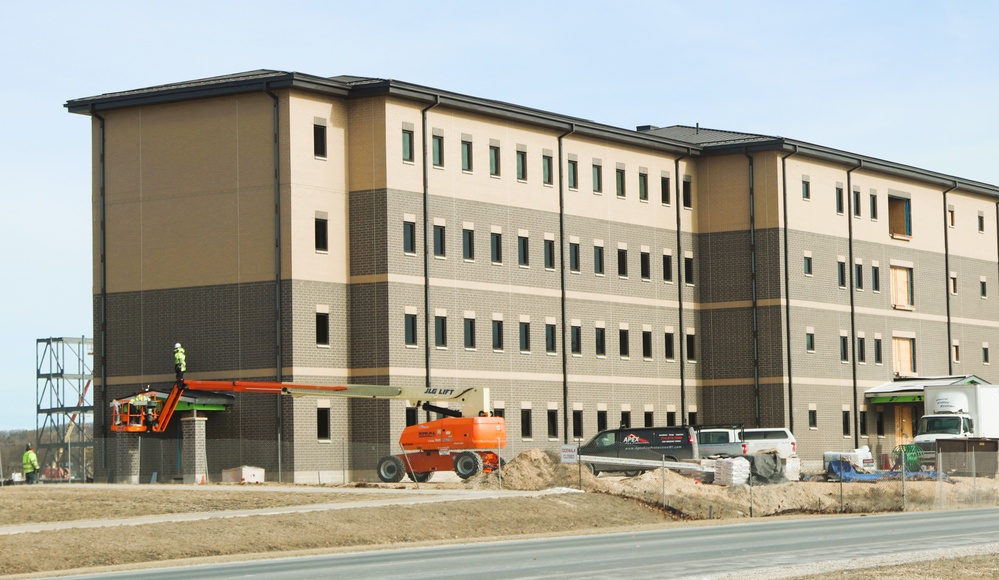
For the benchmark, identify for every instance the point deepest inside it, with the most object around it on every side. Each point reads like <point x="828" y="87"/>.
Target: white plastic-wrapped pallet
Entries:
<point x="731" y="471"/>
<point x="792" y="468"/>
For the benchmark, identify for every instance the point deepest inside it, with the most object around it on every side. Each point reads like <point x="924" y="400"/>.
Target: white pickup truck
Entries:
<point x="734" y="441"/>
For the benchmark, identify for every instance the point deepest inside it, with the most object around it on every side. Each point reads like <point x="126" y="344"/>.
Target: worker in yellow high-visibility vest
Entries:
<point x="29" y="464"/>
<point x="179" y="361"/>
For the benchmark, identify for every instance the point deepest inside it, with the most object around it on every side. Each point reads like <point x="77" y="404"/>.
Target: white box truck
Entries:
<point x="955" y="411"/>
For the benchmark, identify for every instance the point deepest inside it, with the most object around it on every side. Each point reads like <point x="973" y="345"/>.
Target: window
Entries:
<point x="879" y="423"/>
<point x="670" y="418"/>
<point x="688" y="271"/>
<point x="601" y="420"/>
<point x="861" y="350"/>
<point x="598" y="260"/>
<point x="552" y="423"/>
<point x="574" y="257"/>
<point x="808" y="265"/>
<point x="841" y="274"/>
<point x="323" y="423"/>
<point x="412" y="417"/>
<point x="440" y="331"/>
<point x="577" y="424"/>
<point x="573" y="170"/>
<point x="846" y="423"/>
<point x="691" y="350"/>
<point x="981" y="223"/>
<point x="468" y="244"/>
<point x="598" y="177"/>
<point x="547" y="169"/>
<point x="525" y="423"/>
<point x="470" y="333"/>
<point x="649" y="419"/>
<point x="813" y="419"/>
<point x="670" y="349"/>
<point x="523" y="258"/>
<point x="319" y="140"/>
<point x="876" y="278"/>
<point x="525" y="337"/>
<point x="624" y="346"/>
<point x="409" y="237"/>
<point x="322" y="328"/>
<point x="322" y="235"/>
<point x="625" y="419"/>
<point x="496" y="247"/>
<point x="647" y="344"/>
<point x="494" y="160"/>
<point x="904" y="356"/>
<point x="902" y="296"/>
<point x="874" y="207"/>
<point x="438" y="150"/>
<point x="664" y="184"/>
<point x="856" y="203"/>
<point x="955" y="352"/>
<point x="983" y="289"/>
<point x="622" y="263"/>
<point x="899" y="218"/>
<point x="439" y="249"/>
<point x="688" y="196"/>
<point x="953" y="284"/>
<point x="646" y="266"/>
<point x="549" y="254"/>
<point x="466" y="155"/>
<point x="643" y="186"/>
<point x="951" y="218"/>
<point x="550" y="339"/>
<point x="576" y="339"/>
<point x="810" y="341"/>
<point x="844" y="348"/>
<point x="619" y="182"/>
<point x="692" y="418"/>
<point x="522" y="165"/>
<point x="985" y="354"/>
<point x="863" y="423"/>
<point x="667" y="268"/>
<point x="806" y="189"/>
<point x="410" y="329"/>
<point x="599" y="341"/>
<point x="858" y="276"/>
<point x="497" y="335"/>
<point x="407" y="145"/>
<point x="877" y="352"/>
<point x="840" y="202"/>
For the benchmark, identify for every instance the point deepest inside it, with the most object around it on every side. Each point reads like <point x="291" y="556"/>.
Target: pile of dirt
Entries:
<point x="535" y="470"/>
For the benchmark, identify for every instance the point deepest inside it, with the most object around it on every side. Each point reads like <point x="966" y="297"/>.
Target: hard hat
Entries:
<point x="27" y="447"/>
<point x="176" y="345"/>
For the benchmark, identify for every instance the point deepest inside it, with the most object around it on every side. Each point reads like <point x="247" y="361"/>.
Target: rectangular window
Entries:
<point x="856" y="203"/>
<point x="670" y="348"/>
<point x="466" y="155"/>
<point x="841" y="274"/>
<point x="468" y="244"/>
<point x="624" y="346"/>
<point x="863" y="423"/>
<point x="522" y="165"/>
<point x="323" y="424"/>
<point x="899" y="217"/>
<point x="625" y="419"/>
<point x="688" y="195"/>
<point x="670" y="418"/>
<point x="985" y="355"/>
<point x="407" y="145"/>
<point x="650" y="419"/>
<point x="643" y="186"/>
<point x="525" y="423"/>
<point x="951" y="217"/>
<point x="692" y="418"/>
<point x="622" y="263"/>
<point x="322" y="235"/>
<point x="409" y="237"/>
<point x="599" y="342"/>
<point x="904" y="356"/>
<point x="601" y="420"/>
<point x="323" y="328"/>
<point x="619" y="182"/>
<point x="861" y="350"/>
<point x="858" y="276"/>
<point x="470" y="333"/>
<point x="646" y="266"/>
<point x="810" y="341"/>
<point x="551" y="339"/>
<point x="319" y="140"/>
<point x="577" y="424"/>
<point x="497" y="335"/>
<point x="808" y="265"/>
<point x="549" y="254"/>
<point x="647" y="344"/>
<point x="688" y="271"/>
<point x="879" y="423"/>
<point x="547" y="169"/>
<point x="877" y="352"/>
<point x="525" y="337"/>
<point x="953" y="284"/>
<point x="981" y="224"/>
<point x="955" y="350"/>
<point x="438" y="150"/>
<point x="412" y="417"/>
<point x="983" y="290"/>
<point x="667" y="268"/>
<point x="572" y="168"/>
<point x="598" y="260"/>
<point x="440" y="331"/>
<point x="876" y="278"/>
<point x="496" y="248"/>
<point x="691" y="348"/>
<point x="410" y="330"/>
<point x="806" y="189"/>
<point x="574" y="257"/>
<point x="874" y="207"/>
<point x="813" y="419"/>
<point x="439" y="246"/>
<point x="902" y="289"/>
<point x="494" y="160"/>
<point x="598" y="178"/>
<point x="576" y="339"/>
<point x="552" y="423"/>
<point x="846" y="423"/>
<point x="665" y="190"/>
<point x="523" y="253"/>
<point x="840" y="201"/>
<point x="844" y="348"/>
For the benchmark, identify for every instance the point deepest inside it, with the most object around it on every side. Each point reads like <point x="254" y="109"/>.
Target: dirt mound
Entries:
<point x="535" y="470"/>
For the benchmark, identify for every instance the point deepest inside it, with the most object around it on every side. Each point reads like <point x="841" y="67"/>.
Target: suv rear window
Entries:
<point x="770" y="434"/>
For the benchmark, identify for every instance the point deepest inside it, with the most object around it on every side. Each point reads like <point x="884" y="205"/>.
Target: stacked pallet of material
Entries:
<point x="792" y="468"/>
<point x="731" y="471"/>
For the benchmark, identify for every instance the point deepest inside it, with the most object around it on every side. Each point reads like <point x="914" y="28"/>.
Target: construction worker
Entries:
<point x="29" y="463"/>
<point x="179" y="361"/>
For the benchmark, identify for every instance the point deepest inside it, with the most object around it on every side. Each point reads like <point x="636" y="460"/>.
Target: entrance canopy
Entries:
<point x="910" y="389"/>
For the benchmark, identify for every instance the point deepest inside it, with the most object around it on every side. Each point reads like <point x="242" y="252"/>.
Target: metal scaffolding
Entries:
<point x="65" y="407"/>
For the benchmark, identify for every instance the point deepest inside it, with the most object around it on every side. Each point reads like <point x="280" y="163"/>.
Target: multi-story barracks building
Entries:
<point x="289" y="227"/>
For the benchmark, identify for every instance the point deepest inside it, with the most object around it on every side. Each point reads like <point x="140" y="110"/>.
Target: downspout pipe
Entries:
<point x="426" y="243"/>
<point x="850" y="266"/>
<point x="278" y="306"/>
<point x="678" y="200"/>
<point x="562" y="283"/>
<point x="787" y="293"/>
<point x="946" y="237"/>
<point x="754" y="292"/>
<point x="103" y="330"/>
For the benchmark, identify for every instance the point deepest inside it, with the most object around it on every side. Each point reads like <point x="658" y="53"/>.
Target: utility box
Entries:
<point x="243" y="474"/>
<point x="978" y="457"/>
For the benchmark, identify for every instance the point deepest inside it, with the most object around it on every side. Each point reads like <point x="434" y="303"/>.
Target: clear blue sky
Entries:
<point x="911" y="82"/>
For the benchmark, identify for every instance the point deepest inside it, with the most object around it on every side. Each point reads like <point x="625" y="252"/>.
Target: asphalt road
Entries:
<point x="744" y="549"/>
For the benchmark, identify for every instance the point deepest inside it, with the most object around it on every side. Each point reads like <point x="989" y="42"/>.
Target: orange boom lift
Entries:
<point x="465" y="440"/>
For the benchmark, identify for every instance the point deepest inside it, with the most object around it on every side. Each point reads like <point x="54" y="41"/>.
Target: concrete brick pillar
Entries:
<point x="194" y="458"/>
<point x="127" y="452"/>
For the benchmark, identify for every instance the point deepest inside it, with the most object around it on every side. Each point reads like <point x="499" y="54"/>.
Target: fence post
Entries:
<point x="664" y="481"/>
<point x="842" y="499"/>
<point x="939" y="460"/>
<point x="904" y="469"/>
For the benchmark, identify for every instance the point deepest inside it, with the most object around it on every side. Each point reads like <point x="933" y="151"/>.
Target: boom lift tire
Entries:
<point x="467" y="464"/>
<point x="390" y="469"/>
<point x="422" y="477"/>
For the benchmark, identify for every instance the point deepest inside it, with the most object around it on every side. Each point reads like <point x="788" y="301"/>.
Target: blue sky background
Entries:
<point x="911" y="82"/>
